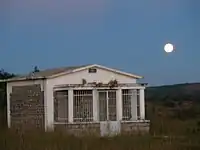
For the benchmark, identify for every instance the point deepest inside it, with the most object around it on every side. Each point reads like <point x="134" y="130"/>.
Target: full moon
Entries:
<point x="168" y="48"/>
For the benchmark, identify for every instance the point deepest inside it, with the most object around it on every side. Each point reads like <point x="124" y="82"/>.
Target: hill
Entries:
<point x="174" y="109"/>
<point x="180" y="101"/>
<point x="177" y="92"/>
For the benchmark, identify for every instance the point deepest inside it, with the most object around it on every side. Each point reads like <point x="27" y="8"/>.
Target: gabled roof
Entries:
<point x="56" y="72"/>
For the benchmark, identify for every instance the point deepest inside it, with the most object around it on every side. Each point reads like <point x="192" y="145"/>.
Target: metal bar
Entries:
<point x="127" y="95"/>
<point x="107" y="99"/>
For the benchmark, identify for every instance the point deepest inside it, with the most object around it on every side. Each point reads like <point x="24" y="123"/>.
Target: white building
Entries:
<point x="82" y="98"/>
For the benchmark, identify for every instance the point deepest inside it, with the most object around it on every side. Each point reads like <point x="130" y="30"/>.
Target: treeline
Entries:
<point x="7" y="75"/>
<point x="4" y="75"/>
<point x="174" y="93"/>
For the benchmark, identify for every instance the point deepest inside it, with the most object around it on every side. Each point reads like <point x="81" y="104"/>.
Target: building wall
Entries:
<point x="79" y="129"/>
<point x="101" y="75"/>
<point x="46" y="87"/>
<point x="25" y="104"/>
<point x="95" y="128"/>
<point x="135" y="127"/>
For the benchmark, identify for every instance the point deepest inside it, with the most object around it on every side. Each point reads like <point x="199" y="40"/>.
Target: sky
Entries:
<point x="128" y="35"/>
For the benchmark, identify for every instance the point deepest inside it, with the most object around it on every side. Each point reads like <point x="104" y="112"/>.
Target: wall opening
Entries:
<point x="126" y="104"/>
<point x="61" y="106"/>
<point x="92" y="70"/>
<point x="83" y="106"/>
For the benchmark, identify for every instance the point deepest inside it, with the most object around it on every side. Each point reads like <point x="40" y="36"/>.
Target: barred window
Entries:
<point x="126" y="104"/>
<point x="112" y="110"/>
<point x="129" y="95"/>
<point x="83" y="106"/>
<point x="61" y="106"/>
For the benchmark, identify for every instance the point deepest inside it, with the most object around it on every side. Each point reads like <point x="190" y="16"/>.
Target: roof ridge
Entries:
<point x="47" y="72"/>
<point x="74" y="66"/>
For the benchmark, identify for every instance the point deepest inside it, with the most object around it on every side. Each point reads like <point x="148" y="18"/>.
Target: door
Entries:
<point x="108" y="113"/>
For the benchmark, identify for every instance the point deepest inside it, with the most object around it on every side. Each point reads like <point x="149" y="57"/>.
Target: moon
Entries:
<point x="168" y="48"/>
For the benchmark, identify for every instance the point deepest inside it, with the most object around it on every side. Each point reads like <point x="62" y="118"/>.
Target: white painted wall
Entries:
<point x="23" y="83"/>
<point x="101" y="75"/>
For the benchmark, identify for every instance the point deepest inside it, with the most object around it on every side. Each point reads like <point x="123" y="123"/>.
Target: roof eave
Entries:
<point x="72" y="71"/>
<point x="139" y="77"/>
<point x="120" y="72"/>
<point x="22" y="79"/>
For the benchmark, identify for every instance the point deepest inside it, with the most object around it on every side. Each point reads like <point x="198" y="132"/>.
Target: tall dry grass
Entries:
<point x="165" y="134"/>
<point x="37" y="140"/>
<point x="11" y="140"/>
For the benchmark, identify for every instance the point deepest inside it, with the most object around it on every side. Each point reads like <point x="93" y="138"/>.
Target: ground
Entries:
<point x="175" y="124"/>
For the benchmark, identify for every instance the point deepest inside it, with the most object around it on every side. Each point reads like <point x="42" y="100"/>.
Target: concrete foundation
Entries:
<point x="94" y="128"/>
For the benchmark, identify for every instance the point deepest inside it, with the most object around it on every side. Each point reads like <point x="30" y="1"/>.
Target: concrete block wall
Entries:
<point x="27" y="107"/>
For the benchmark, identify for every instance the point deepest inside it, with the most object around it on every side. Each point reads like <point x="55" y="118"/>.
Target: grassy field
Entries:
<point x="57" y="141"/>
<point x="174" y="112"/>
<point x="166" y="133"/>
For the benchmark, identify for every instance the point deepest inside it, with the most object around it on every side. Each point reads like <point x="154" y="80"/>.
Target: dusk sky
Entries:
<point x="128" y="35"/>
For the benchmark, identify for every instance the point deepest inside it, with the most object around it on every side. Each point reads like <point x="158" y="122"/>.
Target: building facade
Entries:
<point x="90" y="98"/>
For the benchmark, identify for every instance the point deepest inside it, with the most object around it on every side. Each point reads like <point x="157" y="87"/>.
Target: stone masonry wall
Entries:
<point x="27" y="107"/>
<point x="79" y="128"/>
<point x="94" y="128"/>
<point x="134" y="127"/>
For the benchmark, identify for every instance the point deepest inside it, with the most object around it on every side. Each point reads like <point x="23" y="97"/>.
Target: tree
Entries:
<point x="36" y="69"/>
<point x="4" y="75"/>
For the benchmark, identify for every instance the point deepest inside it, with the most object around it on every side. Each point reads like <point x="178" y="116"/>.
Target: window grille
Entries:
<point x="112" y="105"/>
<point x="126" y="104"/>
<point x="83" y="106"/>
<point x="127" y="97"/>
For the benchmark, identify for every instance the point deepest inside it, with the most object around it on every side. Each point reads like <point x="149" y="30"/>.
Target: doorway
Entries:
<point x="108" y="112"/>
